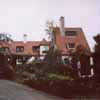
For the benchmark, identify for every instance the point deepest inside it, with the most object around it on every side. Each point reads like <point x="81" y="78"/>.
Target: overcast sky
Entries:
<point x="29" y="16"/>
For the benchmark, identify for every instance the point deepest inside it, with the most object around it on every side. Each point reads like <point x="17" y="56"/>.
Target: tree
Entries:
<point x="51" y="33"/>
<point x="5" y="37"/>
<point x="97" y="45"/>
<point x="96" y="57"/>
<point x="6" y="70"/>
<point x="53" y="56"/>
<point x="49" y="30"/>
<point x="81" y="55"/>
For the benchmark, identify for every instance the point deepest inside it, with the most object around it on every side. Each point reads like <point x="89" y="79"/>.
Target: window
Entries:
<point x="19" y="49"/>
<point x="44" y="51"/>
<point x="70" y="33"/>
<point x="4" y="49"/>
<point x="66" y="61"/>
<point x="71" y="45"/>
<point x="35" y="48"/>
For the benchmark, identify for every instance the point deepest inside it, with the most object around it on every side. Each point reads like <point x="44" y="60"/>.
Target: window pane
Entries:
<point x="35" y="48"/>
<point x="19" y="49"/>
<point x="71" y="33"/>
<point x="71" y="45"/>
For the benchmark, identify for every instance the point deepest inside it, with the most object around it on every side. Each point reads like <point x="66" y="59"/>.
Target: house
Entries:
<point x="68" y="38"/>
<point x="65" y="39"/>
<point x="24" y="50"/>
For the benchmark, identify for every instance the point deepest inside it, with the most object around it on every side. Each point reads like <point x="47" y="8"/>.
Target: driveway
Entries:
<point x="13" y="91"/>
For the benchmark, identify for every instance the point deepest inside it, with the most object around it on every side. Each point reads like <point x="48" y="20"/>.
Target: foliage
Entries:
<point x="5" y="37"/>
<point x="49" y="30"/>
<point x="96" y="58"/>
<point x="81" y="55"/>
<point x="53" y="56"/>
<point x="38" y="69"/>
<point x="80" y="52"/>
<point x="97" y="39"/>
<point x="51" y="33"/>
<point x="97" y="46"/>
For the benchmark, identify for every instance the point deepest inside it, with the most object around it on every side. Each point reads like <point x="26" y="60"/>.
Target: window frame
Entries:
<point x="67" y="46"/>
<point x="35" y="48"/>
<point x="19" y="48"/>
<point x="67" y="33"/>
<point x="4" y="49"/>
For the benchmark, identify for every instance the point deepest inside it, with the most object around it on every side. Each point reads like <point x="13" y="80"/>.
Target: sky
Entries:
<point x="19" y="17"/>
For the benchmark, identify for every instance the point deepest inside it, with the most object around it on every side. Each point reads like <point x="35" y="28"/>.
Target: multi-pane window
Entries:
<point x="70" y="33"/>
<point x="44" y="51"/>
<point x="4" y="49"/>
<point x="19" y="49"/>
<point x="71" y="45"/>
<point x="35" y="48"/>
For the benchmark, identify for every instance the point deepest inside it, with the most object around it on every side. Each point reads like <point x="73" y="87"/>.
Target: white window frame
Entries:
<point x="69" y="47"/>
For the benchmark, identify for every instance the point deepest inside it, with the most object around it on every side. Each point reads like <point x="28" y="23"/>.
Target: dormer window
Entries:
<point x="19" y="49"/>
<point x="70" y="33"/>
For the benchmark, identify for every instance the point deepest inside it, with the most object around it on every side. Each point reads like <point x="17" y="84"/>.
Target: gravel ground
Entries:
<point x="13" y="91"/>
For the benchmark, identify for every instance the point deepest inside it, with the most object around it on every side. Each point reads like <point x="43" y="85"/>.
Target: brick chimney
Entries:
<point x="62" y="25"/>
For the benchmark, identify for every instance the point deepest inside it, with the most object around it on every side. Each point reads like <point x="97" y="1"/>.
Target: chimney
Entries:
<point x="62" y="26"/>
